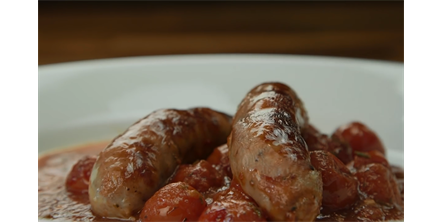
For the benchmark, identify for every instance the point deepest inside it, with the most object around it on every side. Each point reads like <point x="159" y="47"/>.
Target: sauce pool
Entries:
<point x="54" y="202"/>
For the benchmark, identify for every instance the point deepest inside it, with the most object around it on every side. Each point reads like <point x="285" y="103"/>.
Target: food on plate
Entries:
<point x="339" y="188"/>
<point x="174" y="202"/>
<point x="138" y="162"/>
<point x="319" y="141"/>
<point x="269" y="157"/>
<point x="232" y="204"/>
<point x="267" y="163"/>
<point x="77" y="180"/>
<point x="359" y="137"/>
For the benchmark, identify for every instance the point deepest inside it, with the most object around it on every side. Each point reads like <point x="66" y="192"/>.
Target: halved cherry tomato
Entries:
<point x="220" y="160"/>
<point x="176" y="202"/>
<point x="377" y="182"/>
<point x="77" y="181"/>
<point x="201" y="175"/>
<point x="232" y="205"/>
<point x="339" y="187"/>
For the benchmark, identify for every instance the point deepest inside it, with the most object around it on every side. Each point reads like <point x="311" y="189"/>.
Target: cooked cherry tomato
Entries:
<point x="77" y="181"/>
<point x="341" y="150"/>
<point x="220" y="160"/>
<point x="377" y="182"/>
<point x="314" y="139"/>
<point x="201" y="175"/>
<point x="363" y="158"/>
<point x="174" y="202"/>
<point x="339" y="187"/>
<point x="318" y="141"/>
<point x="359" y="137"/>
<point x="232" y="204"/>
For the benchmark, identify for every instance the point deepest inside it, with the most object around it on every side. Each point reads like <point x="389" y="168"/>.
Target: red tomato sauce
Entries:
<point x="54" y="201"/>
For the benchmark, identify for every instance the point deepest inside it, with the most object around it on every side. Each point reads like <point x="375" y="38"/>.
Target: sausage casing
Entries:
<point x="269" y="157"/>
<point x="138" y="162"/>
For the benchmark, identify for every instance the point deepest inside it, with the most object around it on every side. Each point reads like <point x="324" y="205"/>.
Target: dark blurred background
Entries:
<point x="72" y="31"/>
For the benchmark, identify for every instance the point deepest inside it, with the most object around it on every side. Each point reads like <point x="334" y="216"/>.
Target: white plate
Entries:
<point x="91" y="101"/>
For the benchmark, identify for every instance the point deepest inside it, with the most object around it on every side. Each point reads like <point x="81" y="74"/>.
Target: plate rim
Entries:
<point x="223" y="57"/>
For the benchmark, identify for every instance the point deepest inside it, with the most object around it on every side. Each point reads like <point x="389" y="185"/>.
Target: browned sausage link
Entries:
<point x="269" y="157"/>
<point x="278" y="93"/>
<point x="138" y="162"/>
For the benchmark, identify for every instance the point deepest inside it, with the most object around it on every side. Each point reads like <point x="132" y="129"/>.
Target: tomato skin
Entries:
<point x="220" y="160"/>
<point x="341" y="150"/>
<point x="339" y="187"/>
<point x="377" y="182"/>
<point x="77" y="181"/>
<point x="314" y="139"/>
<point x="359" y="137"/>
<point x="201" y="175"/>
<point x="363" y="158"/>
<point x="318" y="141"/>
<point x="174" y="202"/>
<point x="232" y="204"/>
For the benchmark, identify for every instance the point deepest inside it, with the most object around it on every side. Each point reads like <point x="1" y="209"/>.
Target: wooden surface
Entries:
<point x="72" y="31"/>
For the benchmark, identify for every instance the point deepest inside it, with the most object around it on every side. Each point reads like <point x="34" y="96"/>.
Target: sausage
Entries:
<point x="269" y="157"/>
<point x="138" y="163"/>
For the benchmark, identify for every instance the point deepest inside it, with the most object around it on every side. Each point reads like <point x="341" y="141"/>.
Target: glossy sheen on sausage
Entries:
<point x="269" y="157"/>
<point x="138" y="162"/>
